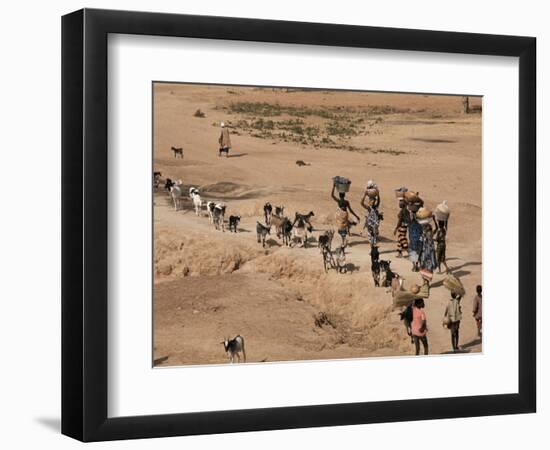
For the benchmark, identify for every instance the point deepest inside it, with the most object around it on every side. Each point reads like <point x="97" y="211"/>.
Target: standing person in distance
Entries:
<point x="224" y="141"/>
<point x="476" y="310"/>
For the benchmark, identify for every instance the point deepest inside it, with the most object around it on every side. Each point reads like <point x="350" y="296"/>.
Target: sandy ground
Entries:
<point x="210" y="285"/>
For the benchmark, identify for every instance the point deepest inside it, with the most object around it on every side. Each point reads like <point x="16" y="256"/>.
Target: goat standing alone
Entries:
<point x="234" y="347"/>
<point x="177" y="151"/>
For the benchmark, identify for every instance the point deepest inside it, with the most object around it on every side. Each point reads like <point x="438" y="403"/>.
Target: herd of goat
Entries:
<point x="290" y="231"/>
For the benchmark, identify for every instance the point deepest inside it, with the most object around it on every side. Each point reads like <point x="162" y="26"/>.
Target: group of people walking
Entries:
<point x="452" y="317"/>
<point x="425" y="249"/>
<point x="421" y="237"/>
<point x="370" y="201"/>
<point x="423" y="241"/>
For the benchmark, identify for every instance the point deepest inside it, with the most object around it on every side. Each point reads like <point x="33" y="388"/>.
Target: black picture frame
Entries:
<point x="84" y="224"/>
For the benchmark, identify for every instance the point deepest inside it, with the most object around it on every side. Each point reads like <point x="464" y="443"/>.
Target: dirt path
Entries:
<point x="277" y="325"/>
<point x="273" y="309"/>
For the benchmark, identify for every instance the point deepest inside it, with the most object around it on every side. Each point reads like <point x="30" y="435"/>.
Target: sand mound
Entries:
<point x="224" y="187"/>
<point x="358" y="312"/>
<point x="192" y="255"/>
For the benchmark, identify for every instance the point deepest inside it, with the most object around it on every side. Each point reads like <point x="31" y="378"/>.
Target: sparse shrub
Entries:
<point x="389" y="151"/>
<point x="332" y="127"/>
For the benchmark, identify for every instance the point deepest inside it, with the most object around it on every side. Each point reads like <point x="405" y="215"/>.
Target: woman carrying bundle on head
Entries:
<point x="426" y="258"/>
<point x="342" y="216"/>
<point x="441" y="215"/>
<point x="373" y="216"/>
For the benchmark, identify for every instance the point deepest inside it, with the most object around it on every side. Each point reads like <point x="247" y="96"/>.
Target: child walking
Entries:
<point x="452" y="317"/>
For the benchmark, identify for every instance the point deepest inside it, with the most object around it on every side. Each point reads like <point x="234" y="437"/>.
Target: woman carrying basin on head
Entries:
<point x="344" y="208"/>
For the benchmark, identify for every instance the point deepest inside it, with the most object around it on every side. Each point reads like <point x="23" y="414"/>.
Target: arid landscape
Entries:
<point x="210" y="285"/>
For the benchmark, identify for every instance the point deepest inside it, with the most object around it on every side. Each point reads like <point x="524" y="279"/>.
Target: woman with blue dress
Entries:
<point x="427" y="258"/>
<point x="415" y="243"/>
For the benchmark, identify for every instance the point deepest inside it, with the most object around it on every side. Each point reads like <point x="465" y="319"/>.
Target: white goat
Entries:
<point x="197" y="203"/>
<point x="210" y="208"/>
<point x="219" y="216"/>
<point x="192" y="192"/>
<point x="176" y="193"/>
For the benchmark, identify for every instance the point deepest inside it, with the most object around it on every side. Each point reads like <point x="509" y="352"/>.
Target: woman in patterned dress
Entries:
<point x="373" y="216"/>
<point x="427" y="259"/>
<point x="403" y="220"/>
<point x="415" y="243"/>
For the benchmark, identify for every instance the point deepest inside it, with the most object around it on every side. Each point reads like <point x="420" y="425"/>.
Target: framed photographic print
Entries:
<point x="273" y="224"/>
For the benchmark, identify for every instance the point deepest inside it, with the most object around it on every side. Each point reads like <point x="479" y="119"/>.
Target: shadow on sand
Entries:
<point x="350" y="268"/>
<point x="466" y="264"/>
<point x="272" y="243"/>
<point x="433" y="141"/>
<point x="465" y="348"/>
<point x="458" y="274"/>
<point x="159" y="361"/>
<point x="458" y="352"/>
<point x="472" y="343"/>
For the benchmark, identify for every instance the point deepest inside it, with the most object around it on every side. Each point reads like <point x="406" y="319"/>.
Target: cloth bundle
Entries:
<point x="454" y="285"/>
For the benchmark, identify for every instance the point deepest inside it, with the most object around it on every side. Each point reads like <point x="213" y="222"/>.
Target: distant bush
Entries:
<point x="199" y="113"/>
